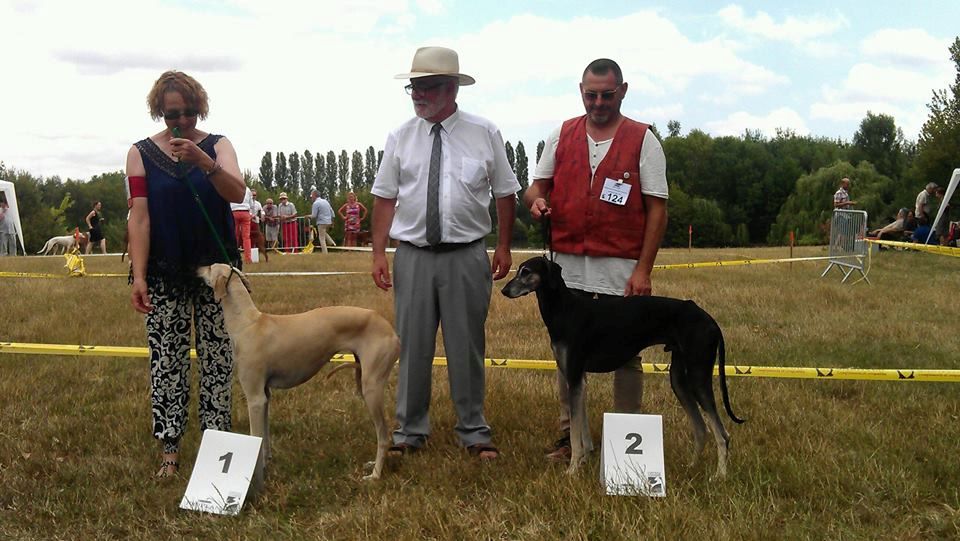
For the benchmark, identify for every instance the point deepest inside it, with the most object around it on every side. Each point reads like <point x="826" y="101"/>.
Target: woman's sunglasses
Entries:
<point x="175" y="114"/>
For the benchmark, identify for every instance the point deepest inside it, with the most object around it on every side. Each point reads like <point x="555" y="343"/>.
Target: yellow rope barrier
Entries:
<point x="893" y="374"/>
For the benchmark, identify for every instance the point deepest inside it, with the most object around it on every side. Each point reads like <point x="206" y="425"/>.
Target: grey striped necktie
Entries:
<point x="433" y="189"/>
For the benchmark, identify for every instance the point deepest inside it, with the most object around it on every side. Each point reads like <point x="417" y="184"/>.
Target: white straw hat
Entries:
<point x="430" y="61"/>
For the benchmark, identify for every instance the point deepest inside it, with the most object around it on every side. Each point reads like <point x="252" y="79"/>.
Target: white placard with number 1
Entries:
<point x="222" y="473"/>
<point x="631" y="460"/>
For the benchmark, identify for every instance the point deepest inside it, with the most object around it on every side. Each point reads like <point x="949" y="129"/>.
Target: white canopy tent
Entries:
<point x="10" y="193"/>
<point x="954" y="180"/>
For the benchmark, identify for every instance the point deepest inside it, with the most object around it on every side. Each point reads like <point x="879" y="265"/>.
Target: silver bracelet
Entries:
<point x="216" y="167"/>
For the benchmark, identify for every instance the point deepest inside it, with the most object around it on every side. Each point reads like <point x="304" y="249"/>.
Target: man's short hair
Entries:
<point x="931" y="186"/>
<point x="602" y="66"/>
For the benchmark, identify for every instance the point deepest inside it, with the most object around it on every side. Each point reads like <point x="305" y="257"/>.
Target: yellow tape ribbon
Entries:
<point x="897" y="374"/>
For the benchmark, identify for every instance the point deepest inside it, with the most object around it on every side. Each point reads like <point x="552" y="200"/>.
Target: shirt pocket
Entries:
<point x="473" y="174"/>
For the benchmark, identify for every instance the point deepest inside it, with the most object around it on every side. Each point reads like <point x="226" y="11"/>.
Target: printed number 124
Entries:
<point x="616" y="199"/>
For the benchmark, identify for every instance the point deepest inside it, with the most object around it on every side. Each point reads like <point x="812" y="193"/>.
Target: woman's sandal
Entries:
<point x="165" y="469"/>
<point x="484" y="451"/>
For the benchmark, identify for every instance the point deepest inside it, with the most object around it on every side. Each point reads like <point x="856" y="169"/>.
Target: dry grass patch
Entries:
<point x="817" y="459"/>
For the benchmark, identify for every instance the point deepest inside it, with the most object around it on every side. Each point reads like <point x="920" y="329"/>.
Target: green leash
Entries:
<point x="181" y="174"/>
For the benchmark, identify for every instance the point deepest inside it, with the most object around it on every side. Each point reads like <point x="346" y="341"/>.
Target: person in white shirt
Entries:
<point x="256" y="216"/>
<point x="432" y="193"/>
<point x="241" y="219"/>
<point x="923" y="209"/>
<point x="322" y="214"/>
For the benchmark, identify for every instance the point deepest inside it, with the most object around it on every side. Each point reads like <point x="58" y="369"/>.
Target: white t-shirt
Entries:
<point x="473" y="164"/>
<point x="606" y="275"/>
<point x="245" y="204"/>
<point x="256" y="210"/>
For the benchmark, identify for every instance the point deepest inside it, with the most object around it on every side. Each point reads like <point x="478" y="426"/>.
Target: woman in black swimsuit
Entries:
<point x="96" y="235"/>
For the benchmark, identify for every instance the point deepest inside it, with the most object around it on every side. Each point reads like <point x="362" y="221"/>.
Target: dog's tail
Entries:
<point x="356" y="366"/>
<point x="723" y="381"/>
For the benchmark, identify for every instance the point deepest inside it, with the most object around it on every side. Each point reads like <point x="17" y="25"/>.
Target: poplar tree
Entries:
<point x="266" y="170"/>
<point x="343" y="172"/>
<point x="370" y="166"/>
<point x="523" y="167"/>
<point x="331" y="175"/>
<point x="357" y="180"/>
<point x="281" y="176"/>
<point x="293" y="163"/>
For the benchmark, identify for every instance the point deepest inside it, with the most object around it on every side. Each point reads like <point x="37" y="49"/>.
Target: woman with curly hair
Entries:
<point x="181" y="181"/>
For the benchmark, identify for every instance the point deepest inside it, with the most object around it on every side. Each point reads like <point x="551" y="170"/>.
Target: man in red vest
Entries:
<point x="605" y="177"/>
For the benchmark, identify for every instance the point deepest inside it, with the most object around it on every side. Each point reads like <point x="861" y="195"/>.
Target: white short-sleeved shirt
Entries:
<point x="245" y="204"/>
<point x="473" y="164"/>
<point x="256" y="210"/>
<point x="606" y="275"/>
<point x="923" y="205"/>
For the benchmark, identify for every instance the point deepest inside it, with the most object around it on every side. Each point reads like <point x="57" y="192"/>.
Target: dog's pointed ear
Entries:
<point x="551" y="274"/>
<point x="220" y="288"/>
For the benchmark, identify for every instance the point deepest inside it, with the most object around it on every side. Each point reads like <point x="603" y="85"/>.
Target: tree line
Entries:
<point x="732" y="190"/>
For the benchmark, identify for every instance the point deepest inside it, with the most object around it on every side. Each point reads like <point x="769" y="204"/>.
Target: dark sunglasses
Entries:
<point x="604" y="96"/>
<point x="175" y="114"/>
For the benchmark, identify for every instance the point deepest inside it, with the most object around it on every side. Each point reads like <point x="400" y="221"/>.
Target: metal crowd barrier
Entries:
<point x="848" y="246"/>
<point x="299" y="234"/>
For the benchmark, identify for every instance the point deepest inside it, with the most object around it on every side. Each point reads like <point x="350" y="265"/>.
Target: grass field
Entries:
<point x="815" y="460"/>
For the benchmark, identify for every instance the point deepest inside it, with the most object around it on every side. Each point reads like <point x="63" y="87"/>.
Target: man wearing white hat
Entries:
<point x="432" y="195"/>
<point x="287" y="214"/>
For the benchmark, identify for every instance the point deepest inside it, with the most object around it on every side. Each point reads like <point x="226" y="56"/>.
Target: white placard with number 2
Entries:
<point x="631" y="462"/>
<point x="222" y="473"/>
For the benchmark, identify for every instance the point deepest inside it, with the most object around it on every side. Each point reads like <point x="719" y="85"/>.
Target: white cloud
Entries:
<point x="912" y="48"/>
<point x="736" y="123"/>
<point x="896" y="90"/>
<point x="796" y="30"/>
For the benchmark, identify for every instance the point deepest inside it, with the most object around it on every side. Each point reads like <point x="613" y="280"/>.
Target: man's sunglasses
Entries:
<point x="604" y="96"/>
<point x="176" y="114"/>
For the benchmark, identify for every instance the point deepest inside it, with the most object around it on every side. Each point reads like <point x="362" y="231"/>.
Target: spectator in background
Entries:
<point x="287" y="214"/>
<point x="353" y="213"/>
<point x="241" y="219"/>
<point x="271" y="220"/>
<point x="895" y="229"/>
<point x="256" y="216"/>
<point x="924" y="205"/>
<point x="322" y="214"/>
<point x="841" y="198"/>
<point x="942" y="228"/>
<point x="8" y="230"/>
<point x="95" y="230"/>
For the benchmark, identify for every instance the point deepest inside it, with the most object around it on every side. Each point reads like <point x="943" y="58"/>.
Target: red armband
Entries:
<point x="136" y="187"/>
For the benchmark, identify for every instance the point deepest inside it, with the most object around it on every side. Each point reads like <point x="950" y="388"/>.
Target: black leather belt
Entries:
<point x="442" y="247"/>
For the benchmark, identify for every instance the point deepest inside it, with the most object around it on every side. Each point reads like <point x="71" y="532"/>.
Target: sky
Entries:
<point x="288" y="76"/>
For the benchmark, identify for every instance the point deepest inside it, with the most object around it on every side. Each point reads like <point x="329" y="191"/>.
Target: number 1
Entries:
<point x="226" y="461"/>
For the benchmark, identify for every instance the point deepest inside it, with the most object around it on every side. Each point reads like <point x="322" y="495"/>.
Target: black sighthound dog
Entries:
<point x="602" y="335"/>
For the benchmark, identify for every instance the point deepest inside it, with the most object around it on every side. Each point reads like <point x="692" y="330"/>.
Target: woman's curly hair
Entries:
<point x="177" y="81"/>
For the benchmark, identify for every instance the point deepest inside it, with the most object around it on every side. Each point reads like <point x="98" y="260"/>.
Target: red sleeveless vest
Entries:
<point x="581" y="223"/>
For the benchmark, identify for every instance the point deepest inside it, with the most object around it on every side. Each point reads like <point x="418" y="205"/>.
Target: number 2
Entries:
<point x="226" y="461"/>
<point x="634" y="448"/>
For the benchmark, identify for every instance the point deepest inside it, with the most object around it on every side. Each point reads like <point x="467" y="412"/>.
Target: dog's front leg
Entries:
<point x="579" y="432"/>
<point x="257" y="410"/>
